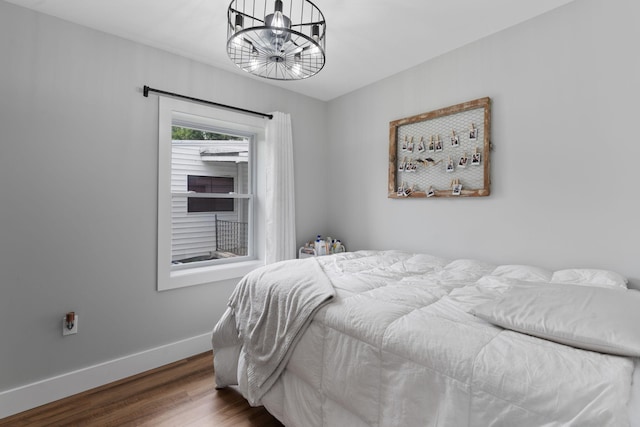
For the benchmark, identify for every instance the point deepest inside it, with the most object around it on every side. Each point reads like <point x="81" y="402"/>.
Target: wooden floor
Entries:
<point x="180" y="394"/>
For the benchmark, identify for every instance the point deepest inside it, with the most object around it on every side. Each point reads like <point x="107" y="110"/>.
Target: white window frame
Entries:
<point x="174" y="278"/>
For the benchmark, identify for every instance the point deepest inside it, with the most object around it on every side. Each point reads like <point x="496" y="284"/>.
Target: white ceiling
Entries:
<point x="367" y="40"/>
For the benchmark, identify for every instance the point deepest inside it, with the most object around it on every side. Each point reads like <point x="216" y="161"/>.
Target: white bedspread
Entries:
<point x="398" y="347"/>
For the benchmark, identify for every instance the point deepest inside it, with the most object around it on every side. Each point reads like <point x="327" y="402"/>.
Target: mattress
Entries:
<point x="400" y="346"/>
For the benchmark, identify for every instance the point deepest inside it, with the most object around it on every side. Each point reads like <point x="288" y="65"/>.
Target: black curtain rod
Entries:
<point x="147" y="89"/>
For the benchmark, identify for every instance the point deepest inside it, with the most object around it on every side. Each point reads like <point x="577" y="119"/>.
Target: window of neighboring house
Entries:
<point x="208" y="227"/>
<point x="209" y="184"/>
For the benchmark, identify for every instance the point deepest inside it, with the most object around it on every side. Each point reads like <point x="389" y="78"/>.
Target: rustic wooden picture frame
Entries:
<point x="475" y="179"/>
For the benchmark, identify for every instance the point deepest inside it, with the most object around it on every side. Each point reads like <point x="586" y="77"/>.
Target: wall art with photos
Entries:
<point x="442" y="153"/>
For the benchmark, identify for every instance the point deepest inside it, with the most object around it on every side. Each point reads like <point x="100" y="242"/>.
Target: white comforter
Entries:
<point x="398" y="347"/>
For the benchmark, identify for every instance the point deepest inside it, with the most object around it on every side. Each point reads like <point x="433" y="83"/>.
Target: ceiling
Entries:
<point x="367" y="40"/>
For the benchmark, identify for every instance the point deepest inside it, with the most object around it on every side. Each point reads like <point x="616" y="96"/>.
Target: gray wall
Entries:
<point x="78" y="173"/>
<point x="565" y="174"/>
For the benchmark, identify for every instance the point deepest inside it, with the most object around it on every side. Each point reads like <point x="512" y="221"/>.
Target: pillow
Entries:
<point x="590" y="277"/>
<point x="523" y="272"/>
<point x="606" y="320"/>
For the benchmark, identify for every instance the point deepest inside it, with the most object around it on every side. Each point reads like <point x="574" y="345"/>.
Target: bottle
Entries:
<point x="319" y="245"/>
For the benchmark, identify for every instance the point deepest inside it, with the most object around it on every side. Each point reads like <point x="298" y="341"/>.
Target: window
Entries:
<point x="208" y="224"/>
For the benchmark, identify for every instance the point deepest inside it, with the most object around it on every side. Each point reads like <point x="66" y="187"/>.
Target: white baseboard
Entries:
<point x="49" y="390"/>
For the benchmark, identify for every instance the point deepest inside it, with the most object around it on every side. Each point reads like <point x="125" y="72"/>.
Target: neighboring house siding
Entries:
<point x="194" y="234"/>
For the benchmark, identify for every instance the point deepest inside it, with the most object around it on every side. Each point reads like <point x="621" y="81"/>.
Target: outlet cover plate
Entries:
<point x="67" y="331"/>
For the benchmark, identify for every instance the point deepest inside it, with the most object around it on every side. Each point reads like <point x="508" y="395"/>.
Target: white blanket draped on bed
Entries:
<point x="268" y="311"/>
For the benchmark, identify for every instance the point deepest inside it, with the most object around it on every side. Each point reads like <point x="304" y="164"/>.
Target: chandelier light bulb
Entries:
<point x="239" y="22"/>
<point x="278" y="22"/>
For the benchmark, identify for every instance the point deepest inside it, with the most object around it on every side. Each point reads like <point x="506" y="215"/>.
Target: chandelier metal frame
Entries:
<point x="276" y="39"/>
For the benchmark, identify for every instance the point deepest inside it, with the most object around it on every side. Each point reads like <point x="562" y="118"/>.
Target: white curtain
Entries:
<point x="280" y="192"/>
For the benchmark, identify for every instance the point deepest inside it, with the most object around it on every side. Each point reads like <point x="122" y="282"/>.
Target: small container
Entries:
<point x="320" y="246"/>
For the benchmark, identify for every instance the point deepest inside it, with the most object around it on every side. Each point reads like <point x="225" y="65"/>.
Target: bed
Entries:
<point x="390" y="338"/>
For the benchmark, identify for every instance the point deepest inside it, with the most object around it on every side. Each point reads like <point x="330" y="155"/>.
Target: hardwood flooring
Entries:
<point x="180" y="394"/>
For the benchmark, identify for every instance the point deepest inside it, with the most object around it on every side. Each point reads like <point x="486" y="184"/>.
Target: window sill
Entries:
<point x="210" y="274"/>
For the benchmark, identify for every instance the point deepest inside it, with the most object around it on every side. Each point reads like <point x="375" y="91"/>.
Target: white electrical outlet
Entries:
<point x="67" y="331"/>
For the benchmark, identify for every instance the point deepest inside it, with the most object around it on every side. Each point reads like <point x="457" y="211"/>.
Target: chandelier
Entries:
<point x="276" y="39"/>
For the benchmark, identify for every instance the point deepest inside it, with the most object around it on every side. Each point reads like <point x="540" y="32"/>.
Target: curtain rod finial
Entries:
<point x="145" y="91"/>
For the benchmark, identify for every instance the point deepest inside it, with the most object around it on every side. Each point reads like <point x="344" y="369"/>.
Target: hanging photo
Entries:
<point x="438" y="143"/>
<point x="456" y="187"/>
<point x="410" y="146"/>
<point x="431" y="192"/>
<point x="473" y="133"/>
<point x="463" y="161"/>
<point x="455" y="141"/>
<point x="431" y="144"/>
<point x="401" y="190"/>
<point x="450" y="167"/>
<point x="404" y="144"/>
<point x="475" y="159"/>
<point x="421" y="146"/>
<point x="408" y="191"/>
